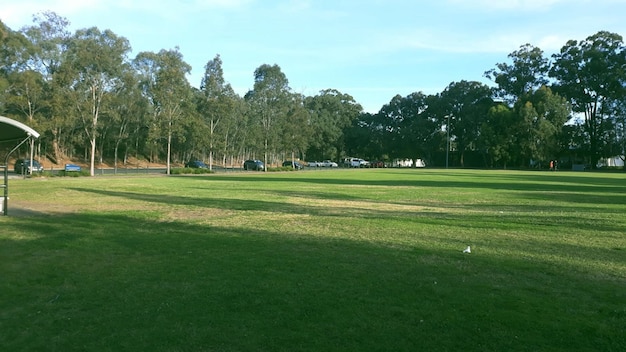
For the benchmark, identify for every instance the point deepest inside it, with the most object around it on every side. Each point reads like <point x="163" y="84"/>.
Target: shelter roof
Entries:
<point x="14" y="130"/>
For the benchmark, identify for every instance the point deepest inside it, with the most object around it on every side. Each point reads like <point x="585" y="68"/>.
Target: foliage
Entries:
<point x="541" y="116"/>
<point x="217" y="106"/>
<point x="274" y="111"/>
<point x="90" y="101"/>
<point x="528" y="72"/>
<point x="590" y="73"/>
<point x="465" y="104"/>
<point x="63" y="173"/>
<point x="189" y="170"/>
<point x="281" y="168"/>
<point x="497" y="136"/>
<point x="164" y="83"/>
<point x="406" y="126"/>
<point x="93" y="65"/>
<point x="331" y="112"/>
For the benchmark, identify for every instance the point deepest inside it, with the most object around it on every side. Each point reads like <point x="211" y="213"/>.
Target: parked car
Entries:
<point x="314" y="163"/>
<point x="356" y="162"/>
<point x="296" y="165"/>
<point x="377" y="164"/>
<point x="72" y="168"/>
<point x="255" y="165"/>
<point x="22" y="166"/>
<point x="329" y="163"/>
<point x="197" y="164"/>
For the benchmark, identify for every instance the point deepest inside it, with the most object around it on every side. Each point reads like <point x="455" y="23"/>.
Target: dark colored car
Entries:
<point x="377" y="164"/>
<point x="196" y="164"/>
<point x="255" y="165"/>
<point x="22" y="166"/>
<point x="296" y="165"/>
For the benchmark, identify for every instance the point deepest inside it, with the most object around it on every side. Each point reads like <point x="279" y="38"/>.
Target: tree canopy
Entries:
<point x="92" y="102"/>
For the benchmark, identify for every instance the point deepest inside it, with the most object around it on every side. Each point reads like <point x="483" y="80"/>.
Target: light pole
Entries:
<point x="447" y="139"/>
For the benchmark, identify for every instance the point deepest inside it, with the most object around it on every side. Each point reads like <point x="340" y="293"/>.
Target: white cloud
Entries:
<point x="451" y="41"/>
<point x="19" y="13"/>
<point x="508" y="5"/>
<point x="552" y="43"/>
<point x="295" y="6"/>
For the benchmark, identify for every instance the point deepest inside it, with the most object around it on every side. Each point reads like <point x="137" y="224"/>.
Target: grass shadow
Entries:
<point x="119" y="282"/>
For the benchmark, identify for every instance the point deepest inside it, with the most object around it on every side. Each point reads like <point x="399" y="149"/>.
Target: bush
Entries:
<point x="189" y="170"/>
<point x="281" y="168"/>
<point x="64" y="173"/>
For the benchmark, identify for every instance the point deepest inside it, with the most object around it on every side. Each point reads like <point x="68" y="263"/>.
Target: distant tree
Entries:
<point x="390" y="125"/>
<point x="409" y="128"/>
<point x="269" y="103"/>
<point x="528" y="72"/>
<point x="539" y="120"/>
<point x="217" y="104"/>
<point x="40" y="53"/>
<point x="330" y="113"/>
<point x="15" y="51"/>
<point x="591" y="75"/>
<point x="128" y="110"/>
<point x="26" y="96"/>
<point x="366" y="136"/>
<point x="425" y="131"/>
<point x="465" y="105"/>
<point x="497" y="135"/>
<point x="620" y="132"/>
<point x="163" y="78"/>
<point x="234" y="132"/>
<point x="93" y="66"/>
<point x="296" y="131"/>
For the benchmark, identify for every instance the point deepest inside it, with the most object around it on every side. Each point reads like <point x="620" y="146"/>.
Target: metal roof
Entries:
<point x="15" y="130"/>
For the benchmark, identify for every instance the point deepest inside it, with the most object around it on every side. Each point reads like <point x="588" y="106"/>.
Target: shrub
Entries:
<point x="189" y="170"/>
<point x="64" y="173"/>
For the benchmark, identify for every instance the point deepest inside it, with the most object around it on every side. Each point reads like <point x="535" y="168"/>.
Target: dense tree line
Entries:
<point x="91" y="101"/>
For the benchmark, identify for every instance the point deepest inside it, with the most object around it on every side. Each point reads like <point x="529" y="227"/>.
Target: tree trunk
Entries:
<point x="169" y="151"/>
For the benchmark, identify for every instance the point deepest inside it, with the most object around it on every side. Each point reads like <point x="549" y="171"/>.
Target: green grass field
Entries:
<point x="342" y="260"/>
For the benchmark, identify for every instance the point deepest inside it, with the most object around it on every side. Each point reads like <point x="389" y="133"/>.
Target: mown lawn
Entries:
<point x="341" y="260"/>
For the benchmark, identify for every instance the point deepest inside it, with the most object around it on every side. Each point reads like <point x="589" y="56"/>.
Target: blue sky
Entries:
<point x="370" y="49"/>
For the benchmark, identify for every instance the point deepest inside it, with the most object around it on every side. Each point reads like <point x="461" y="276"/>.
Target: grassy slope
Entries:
<point x="316" y="261"/>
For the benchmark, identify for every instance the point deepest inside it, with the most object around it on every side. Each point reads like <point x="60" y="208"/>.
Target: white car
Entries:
<point x="357" y="162"/>
<point x="328" y="163"/>
<point x="314" y="163"/>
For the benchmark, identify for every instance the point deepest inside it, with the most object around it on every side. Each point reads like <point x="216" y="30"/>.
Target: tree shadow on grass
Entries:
<point x="531" y="181"/>
<point x="117" y="282"/>
<point x="592" y="198"/>
<point x="498" y="219"/>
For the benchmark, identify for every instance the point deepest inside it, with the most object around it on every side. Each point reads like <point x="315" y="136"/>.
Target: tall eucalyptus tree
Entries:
<point x="127" y="112"/>
<point x="32" y="58"/>
<point x="218" y="103"/>
<point x="164" y="81"/>
<point x="92" y="68"/>
<point x="527" y="73"/>
<point x="296" y="131"/>
<point x="269" y="103"/>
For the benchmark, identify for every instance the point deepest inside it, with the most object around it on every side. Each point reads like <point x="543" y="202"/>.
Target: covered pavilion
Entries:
<point x="14" y="134"/>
